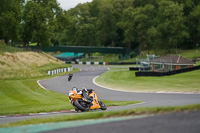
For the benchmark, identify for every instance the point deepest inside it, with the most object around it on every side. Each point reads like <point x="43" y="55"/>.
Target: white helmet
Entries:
<point x="74" y="89"/>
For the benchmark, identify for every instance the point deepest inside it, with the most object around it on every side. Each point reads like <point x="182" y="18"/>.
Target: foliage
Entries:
<point x="39" y="21"/>
<point x="10" y="15"/>
<point x="133" y="24"/>
<point x="149" y="25"/>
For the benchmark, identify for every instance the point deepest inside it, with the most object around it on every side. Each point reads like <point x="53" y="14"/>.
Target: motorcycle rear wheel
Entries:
<point x="81" y="105"/>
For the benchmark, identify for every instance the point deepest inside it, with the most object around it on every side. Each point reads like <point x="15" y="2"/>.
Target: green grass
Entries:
<point x="26" y="96"/>
<point x="119" y="103"/>
<point x="190" y="54"/>
<point x="97" y="115"/>
<point x="23" y="97"/>
<point x="19" y="91"/>
<point x="32" y="44"/>
<point x="197" y="63"/>
<point x="126" y="80"/>
<point x="8" y="48"/>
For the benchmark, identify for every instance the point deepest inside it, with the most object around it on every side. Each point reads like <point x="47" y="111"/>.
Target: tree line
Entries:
<point x="141" y="24"/>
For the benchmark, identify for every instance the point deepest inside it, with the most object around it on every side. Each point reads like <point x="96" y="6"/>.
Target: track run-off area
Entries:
<point x="86" y="78"/>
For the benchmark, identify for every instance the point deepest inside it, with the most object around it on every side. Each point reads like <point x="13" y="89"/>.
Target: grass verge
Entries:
<point x="97" y="115"/>
<point x="126" y="80"/>
<point x="19" y="91"/>
<point x="25" y="96"/>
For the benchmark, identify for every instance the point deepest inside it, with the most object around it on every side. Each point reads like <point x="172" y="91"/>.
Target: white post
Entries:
<point x="96" y="63"/>
<point x="88" y="63"/>
<point x="49" y="72"/>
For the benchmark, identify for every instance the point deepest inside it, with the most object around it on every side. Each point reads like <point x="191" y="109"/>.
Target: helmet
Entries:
<point x="74" y="89"/>
<point x="85" y="89"/>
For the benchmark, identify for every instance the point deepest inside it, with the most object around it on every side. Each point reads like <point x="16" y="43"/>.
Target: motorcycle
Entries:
<point x="70" y="77"/>
<point x="85" y="104"/>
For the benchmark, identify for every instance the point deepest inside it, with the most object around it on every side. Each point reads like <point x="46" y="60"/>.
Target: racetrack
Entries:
<point x="181" y="122"/>
<point x="85" y="77"/>
<point x="88" y="73"/>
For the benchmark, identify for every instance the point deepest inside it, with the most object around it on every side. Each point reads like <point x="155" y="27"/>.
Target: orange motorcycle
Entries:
<point x="85" y="103"/>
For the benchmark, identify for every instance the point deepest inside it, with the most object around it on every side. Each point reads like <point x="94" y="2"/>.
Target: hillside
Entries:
<point x="26" y="64"/>
<point x="19" y="91"/>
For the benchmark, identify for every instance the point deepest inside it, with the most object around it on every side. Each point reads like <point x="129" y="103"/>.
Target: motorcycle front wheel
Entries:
<point x="81" y="105"/>
<point x="103" y="106"/>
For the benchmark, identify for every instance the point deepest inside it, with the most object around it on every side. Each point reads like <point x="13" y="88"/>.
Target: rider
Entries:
<point x="70" y="75"/>
<point x="84" y="93"/>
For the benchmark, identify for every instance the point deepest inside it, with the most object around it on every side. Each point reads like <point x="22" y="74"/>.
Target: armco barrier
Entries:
<point x="101" y="63"/>
<point x="86" y="63"/>
<point x="121" y="63"/>
<point x="52" y="72"/>
<point x="137" y="74"/>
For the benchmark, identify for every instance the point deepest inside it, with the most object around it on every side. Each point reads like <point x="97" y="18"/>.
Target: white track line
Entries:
<point x="41" y="85"/>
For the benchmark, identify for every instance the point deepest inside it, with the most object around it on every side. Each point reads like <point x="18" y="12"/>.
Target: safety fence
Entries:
<point x="137" y="74"/>
<point x="56" y="71"/>
<point x="100" y="63"/>
<point x="134" y="68"/>
<point x="121" y="63"/>
<point x="86" y="63"/>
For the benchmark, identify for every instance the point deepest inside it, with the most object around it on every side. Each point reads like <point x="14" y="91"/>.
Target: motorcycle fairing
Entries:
<point x="95" y="101"/>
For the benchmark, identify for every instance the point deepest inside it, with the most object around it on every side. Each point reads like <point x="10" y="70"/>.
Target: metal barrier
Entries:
<point x="137" y="74"/>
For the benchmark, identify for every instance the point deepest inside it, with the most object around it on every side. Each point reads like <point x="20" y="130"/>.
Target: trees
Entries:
<point x="152" y="24"/>
<point x="10" y="18"/>
<point x="81" y="29"/>
<point x="171" y="24"/>
<point x="194" y="24"/>
<point x="136" y="22"/>
<point x="106" y="25"/>
<point x="39" y="20"/>
<point x="130" y="35"/>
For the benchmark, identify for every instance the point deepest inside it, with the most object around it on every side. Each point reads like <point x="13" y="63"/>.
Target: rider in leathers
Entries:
<point x="84" y="93"/>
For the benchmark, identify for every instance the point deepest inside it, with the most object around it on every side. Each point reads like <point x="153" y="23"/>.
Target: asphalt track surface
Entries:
<point x="85" y="77"/>
<point x="184" y="122"/>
